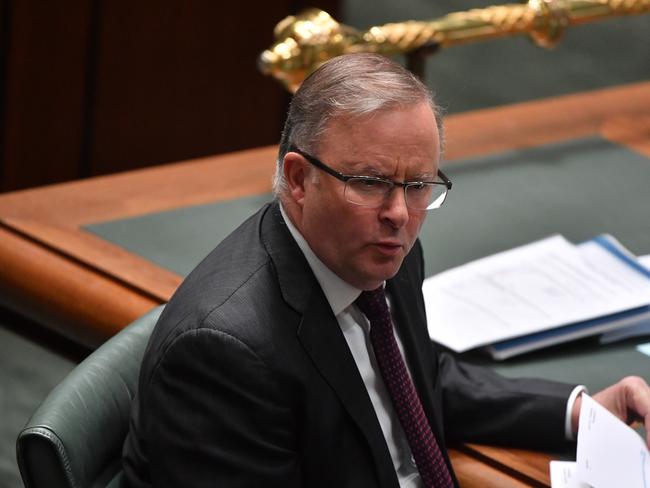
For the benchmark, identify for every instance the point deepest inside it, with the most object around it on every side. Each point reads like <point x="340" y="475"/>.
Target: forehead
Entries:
<point x="401" y="140"/>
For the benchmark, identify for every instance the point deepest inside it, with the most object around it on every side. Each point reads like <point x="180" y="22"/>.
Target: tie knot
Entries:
<point x="373" y="303"/>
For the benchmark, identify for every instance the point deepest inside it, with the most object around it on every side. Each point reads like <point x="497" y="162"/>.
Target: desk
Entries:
<point x="56" y="271"/>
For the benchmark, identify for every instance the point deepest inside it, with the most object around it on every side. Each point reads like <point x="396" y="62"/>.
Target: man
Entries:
<point x="280" y="361"/>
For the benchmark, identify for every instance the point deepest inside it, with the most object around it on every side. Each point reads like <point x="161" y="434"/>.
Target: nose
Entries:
<point x="394" y="210"/>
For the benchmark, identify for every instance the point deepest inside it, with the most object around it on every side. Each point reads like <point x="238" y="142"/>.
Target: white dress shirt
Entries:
<point x="356" y="329"/>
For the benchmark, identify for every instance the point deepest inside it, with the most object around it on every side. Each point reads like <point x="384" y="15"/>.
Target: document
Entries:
<point x="644" y="348"/>
<point x="645" y="260"/>
<point x="563" y="475"/>
<point x="610" y="454"/>
<point x="536" y="287"/>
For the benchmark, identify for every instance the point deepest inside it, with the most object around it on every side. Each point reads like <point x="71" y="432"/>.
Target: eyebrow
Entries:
<point x="364" y="169"/>
<point x="376" y="174"/>
<point x="424" y="176"/>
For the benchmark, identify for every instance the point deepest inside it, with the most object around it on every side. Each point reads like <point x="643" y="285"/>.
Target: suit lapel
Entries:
<point x="322" y="338"/>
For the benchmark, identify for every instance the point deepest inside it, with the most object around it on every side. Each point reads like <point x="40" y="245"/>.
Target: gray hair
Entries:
<point x="351" y="85"/>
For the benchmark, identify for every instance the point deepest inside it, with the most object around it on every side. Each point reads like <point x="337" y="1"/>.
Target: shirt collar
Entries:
<point x="339" y="293"/>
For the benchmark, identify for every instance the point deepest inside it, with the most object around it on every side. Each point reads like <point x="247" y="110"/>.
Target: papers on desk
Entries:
<point x="609" y="455"/>
<point x="641" y="328"/>
<point x="644" y="261"/>
<point x="563" y="475"/>
<point x="536" y="295"/>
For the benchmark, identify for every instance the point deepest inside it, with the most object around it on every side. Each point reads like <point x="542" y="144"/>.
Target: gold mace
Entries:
<point x="307" y="40"/>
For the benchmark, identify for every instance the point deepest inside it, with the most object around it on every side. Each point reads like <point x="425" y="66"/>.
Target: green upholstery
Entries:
<point x="74" y="439"/>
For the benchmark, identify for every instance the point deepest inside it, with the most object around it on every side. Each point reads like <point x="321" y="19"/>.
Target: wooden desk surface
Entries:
<point x="87" y="288"/>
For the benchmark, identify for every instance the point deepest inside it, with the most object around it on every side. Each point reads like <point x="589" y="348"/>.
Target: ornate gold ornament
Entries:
<point x="307" y="40"/>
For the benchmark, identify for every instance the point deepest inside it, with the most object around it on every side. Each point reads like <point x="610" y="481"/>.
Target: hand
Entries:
<point x="629" y="400"/>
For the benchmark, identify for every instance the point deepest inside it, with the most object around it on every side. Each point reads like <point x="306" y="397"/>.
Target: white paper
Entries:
<point x="645" y="260"/>
<point x="644" y="348"/>
<point x="535" y="287"/>
<point x="610" y="454"/>
<point x="563" y="475"/>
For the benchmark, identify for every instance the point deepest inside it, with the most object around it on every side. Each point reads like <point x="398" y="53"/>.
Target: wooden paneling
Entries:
<point x="44" y="89"/>
<point x="90" y="87"/>
<point x="178" y="80"/>
<point x="4" y="43"/>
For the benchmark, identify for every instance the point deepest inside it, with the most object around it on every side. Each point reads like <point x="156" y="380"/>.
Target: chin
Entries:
<point x="377" y="272"/>
<point x="389" y="269"/>
<point x="379" y="278"/>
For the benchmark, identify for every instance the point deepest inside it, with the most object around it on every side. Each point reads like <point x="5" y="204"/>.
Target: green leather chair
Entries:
<point x="74" y="439"/>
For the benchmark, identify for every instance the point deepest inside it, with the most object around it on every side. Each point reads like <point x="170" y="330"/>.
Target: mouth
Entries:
<point x="389" y="248"/>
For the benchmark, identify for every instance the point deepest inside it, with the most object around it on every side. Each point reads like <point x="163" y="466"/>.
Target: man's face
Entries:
<point x="365" y="246"/>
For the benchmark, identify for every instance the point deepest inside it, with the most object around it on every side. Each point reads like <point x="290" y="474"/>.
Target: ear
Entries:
<point x="295" y="175"/>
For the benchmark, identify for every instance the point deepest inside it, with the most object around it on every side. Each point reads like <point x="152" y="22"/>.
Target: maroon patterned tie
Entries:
<point x="422" y="442"/>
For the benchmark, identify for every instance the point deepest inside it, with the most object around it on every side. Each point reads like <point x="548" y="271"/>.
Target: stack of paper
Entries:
<point x="536" y="295"/>
<point x="610" y="454"/>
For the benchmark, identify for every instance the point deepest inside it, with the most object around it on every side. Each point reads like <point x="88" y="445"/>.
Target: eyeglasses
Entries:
<point x="372" y="191"/>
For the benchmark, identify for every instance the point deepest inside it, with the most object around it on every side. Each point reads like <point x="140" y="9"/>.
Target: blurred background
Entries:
<point x="91" y="87"/>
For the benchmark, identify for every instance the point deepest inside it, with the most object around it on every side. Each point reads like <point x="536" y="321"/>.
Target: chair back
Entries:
<point x="75" y="437"/>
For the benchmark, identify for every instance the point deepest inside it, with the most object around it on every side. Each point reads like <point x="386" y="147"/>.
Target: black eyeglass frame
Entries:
<point x="345" y="178"/>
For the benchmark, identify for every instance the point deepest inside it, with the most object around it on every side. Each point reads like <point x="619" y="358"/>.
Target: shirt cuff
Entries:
<point x="568" y="432"/>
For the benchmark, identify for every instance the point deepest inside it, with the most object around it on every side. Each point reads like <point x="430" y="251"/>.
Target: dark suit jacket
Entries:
<point x="248" y="381"/>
